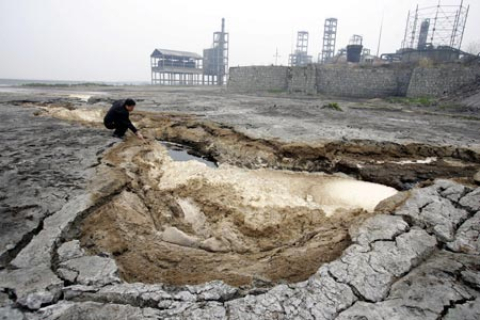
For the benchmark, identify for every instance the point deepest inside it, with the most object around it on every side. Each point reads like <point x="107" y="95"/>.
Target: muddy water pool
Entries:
<point x="179" y="152"/>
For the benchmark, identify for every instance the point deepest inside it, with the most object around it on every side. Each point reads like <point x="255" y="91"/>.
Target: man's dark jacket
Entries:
<point x="118" y="117"/>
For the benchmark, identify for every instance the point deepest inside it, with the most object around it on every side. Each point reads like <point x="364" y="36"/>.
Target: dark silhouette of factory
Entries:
<point x="172" y="67"/>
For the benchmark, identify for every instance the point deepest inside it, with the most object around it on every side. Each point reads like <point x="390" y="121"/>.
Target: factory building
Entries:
<point x="181" y="68"/>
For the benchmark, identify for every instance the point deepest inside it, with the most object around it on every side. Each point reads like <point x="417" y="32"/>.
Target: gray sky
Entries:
<point x="111" y="40"/>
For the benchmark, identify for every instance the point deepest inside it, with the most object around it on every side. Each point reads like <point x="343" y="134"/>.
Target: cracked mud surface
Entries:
<point x="108" y="209"/>
<point x="39" y="175"/>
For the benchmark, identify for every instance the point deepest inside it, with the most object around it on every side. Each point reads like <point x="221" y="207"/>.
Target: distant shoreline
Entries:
<point x="67" y="83"/>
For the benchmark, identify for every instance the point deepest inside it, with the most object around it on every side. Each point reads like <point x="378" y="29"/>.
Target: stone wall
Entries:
<point x="354" y="80"/>
<point x="404" y="76"/>
<point x="442" y="80"/>
<point x="359" y="81"/>
<point x="258" y="79"/>
<point x="302" y="79"/>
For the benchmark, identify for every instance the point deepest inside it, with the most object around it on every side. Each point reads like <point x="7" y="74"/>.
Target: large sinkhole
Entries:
<point x="184" y="222"/>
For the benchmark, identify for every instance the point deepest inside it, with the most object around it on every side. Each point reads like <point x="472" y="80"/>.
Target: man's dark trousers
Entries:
<point x="119" y="129"/>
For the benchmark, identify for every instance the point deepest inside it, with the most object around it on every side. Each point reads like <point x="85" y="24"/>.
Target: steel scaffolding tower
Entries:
<point x="436" y="26"/>
<point x="302" y="41"/>
<point x="329" y="40"/>
<point x="300" y="56"/>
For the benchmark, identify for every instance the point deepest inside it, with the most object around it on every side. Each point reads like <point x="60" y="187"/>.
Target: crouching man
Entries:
<point x="118" y="118"/>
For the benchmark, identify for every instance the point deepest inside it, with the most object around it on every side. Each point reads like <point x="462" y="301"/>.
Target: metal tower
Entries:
<point x="300" y="56"/>
<point x="436" y="26"/>
<point x="215" y="60"/>
<point x="329" y="40"/>
<point x="302" y="41"/>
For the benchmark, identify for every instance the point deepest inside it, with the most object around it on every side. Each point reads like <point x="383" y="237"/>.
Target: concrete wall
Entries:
<point x="354" y="80"/>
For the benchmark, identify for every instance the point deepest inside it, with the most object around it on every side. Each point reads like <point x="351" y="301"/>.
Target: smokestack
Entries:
<point x="221" y="62"/>
<point x="422" y="38"/>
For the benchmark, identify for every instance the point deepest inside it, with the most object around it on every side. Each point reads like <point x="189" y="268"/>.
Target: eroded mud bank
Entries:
<point x="400" y="166"/>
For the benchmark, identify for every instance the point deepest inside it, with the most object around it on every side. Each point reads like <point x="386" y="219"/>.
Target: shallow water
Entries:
<point x="180" y="152"/>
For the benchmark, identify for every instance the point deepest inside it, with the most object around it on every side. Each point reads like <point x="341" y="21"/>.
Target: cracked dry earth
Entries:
<point x="102" y="229"/>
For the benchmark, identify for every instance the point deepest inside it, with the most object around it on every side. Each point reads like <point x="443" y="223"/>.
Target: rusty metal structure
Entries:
<point x="300" y="57"/>
<point x="436" y="26"/>
<point x="181" y="68"/>
<point x="329" y="40"/>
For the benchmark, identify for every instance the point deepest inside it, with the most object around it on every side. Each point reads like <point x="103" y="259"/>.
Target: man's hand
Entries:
<point x="139" y="136"/>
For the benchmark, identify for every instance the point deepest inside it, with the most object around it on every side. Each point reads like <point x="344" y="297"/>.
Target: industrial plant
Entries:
<point x="300" y="57"/>
<point x="172" y="67"/>
<point x="434" y="33"/>
<point x="329" y="40"/>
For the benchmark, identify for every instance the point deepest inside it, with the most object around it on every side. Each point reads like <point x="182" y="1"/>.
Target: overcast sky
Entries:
<point x="111" y="40"/>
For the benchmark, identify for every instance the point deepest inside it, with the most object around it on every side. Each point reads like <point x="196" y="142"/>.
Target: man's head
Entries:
<point x="129" y="104"/>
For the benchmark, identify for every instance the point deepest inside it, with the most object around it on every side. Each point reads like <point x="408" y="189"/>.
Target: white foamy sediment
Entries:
<point x="83" y="97"/>
<point x="271" y="188"/>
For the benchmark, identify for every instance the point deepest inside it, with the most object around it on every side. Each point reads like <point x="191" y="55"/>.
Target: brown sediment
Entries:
<point x="185" y="223"/>
<point x="280" y="254"/>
